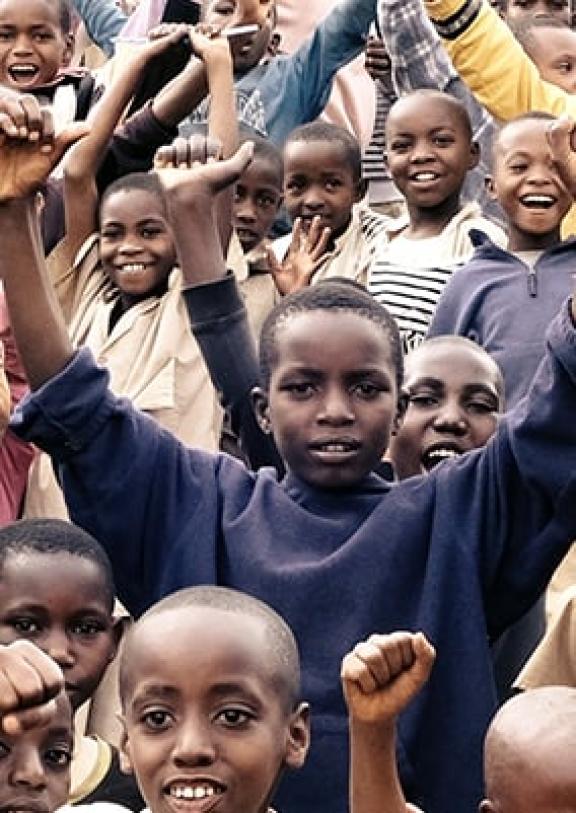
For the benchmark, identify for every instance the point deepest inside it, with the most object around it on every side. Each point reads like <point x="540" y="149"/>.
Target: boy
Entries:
<point x="505" y="300"/>
<point x="56" y="590"/>
<point x="216" y="723"/>
<point x="332" y="235"/>
<point x="36" y="733"/>
<point x="551" y="45"/>
<point x="430" y="151"/>
<point x="276" y="93"/>
<point x="313" y="544"/>
<point x="529" y="749"/>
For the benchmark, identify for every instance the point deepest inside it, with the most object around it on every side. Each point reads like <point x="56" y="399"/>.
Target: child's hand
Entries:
<point x="26" y="164"/>
<point x="190" y="169"/>
<point x="160" y="39"/>
<point x="29" y="682"/>
<point x="562" y="141"/>
<point x="382" y="675"/>
<point x="377" y="61"/>
<point x="306" y="253"/>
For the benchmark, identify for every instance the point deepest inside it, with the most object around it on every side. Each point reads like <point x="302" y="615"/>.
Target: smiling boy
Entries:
<point x="212" y="725"/>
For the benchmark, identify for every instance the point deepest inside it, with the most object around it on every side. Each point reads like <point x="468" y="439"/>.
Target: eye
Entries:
<point x="234" y="717"/>
<point x="157" y="719"/>
<point x="265" y="201"/>
<point x="43" y="36"/>
<point x="58" y="757"/>
<point x="423" y="401"/>
<point x="299" y="389"/>
<point x="150" y="232"/>
<point x="5" y="36"/>
<point x="110" y="234"/>
<point x="332" y="183"/>
<point x="295" y="186"/>
<point x="87" y="627"/>
<point x="4" y="750"/>
<point x="399" y="145"/>
<point x="367" y="390"/>
<point x="517" y="167"/>
<point x="443" y="140"/>
<point x="564" y="67"/>
<point x="481" y="408"/>
<point x="24" y="625"/>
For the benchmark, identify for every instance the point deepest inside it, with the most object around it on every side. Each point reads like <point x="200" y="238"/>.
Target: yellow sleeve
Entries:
<point x="492" y="63"/>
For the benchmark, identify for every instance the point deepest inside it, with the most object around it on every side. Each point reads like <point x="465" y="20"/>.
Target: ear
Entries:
<point x="119" y="625"/>
<point x="125" y="757"/>
<point x="401" y="407"/>
<point x="261" y="407"/>
<point x="474" y="155"/>
<point x="298" y="741"/>
<point x="361" y="190"/>
<point x="486" y="806"/>
<point x="490" y="188"/>
<point x="68" y="49"/>
<point x="274" y="44"/>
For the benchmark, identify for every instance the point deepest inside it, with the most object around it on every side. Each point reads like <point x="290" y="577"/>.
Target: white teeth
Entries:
<point x="201" y="791"/>
<point x="133" y="267"/>
<point x="442" y="454"/>
<point x="425" y="176"/>
<point x="538" y="200"/>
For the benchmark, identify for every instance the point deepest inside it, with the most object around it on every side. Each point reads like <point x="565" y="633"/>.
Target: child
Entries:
<point x="276" y="93"/>
<point x="222" y="718"/>
<point x="455" y="397"/>
<point x="120" y="290"/>
<point x="57" y="591"/>
<point x="336" y="549"/>
<point x="551" y="45"/>
<point x="332" y="235"/>
<point x="529" y="749"/>
<point x="36" y="733"/>
<point x="430" y="151"/>
<point x="505" y="300"/>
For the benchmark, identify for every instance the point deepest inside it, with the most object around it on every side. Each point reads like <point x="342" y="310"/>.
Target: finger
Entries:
<point x="314" y="232"/>
<point x="163" y="157"/>
<point x="28" y="676"/>
<point x="354" y="671"/>
<point x="15" y="723"/>
<point x="213" y="148"/>
<point x="319" y="251"/>
<point x="38" y="124"/>
<point x="377" y="672"/>
<point x="181" y="152"/>
<point x="69" y="136"/>
<point x="561" y="134"/>
<point x="197" y="145"/>
<point x="7" y="126"/>
<point x="425" y="656"/>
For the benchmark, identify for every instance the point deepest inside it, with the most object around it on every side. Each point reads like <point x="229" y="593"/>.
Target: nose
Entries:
<point x="245" y="212"/>
<point x="336" y="409"/>
<point x="312" y="201"/>
<point x="28" y="770"/>
<point x="129" y="246"/>
<point x="451" y="419"/>
<point x="421" y="152"/>
<point x="57" y="645"/>
<point x="194" y="745"/>
<point x="22" y="45"/>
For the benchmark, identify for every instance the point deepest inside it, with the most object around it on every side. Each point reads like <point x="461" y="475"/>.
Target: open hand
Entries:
<point x="29" y="682"/>
<point x="306" y="254"/>
<point x="562" y="140"/>
<point x="382" y="675"/>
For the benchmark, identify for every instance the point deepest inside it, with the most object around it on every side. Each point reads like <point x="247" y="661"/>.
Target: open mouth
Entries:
<point x="336" y="450"/>
<point x="437" y="454"/>
<point x="23" y="74"/>
<point x="198" y="795"/>
<point x="538" y="201"/>
<point x="131" y="269"/>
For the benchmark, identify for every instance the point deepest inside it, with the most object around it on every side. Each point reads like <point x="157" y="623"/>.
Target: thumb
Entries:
<point x="224" y="173"/>
<point x="67" y="137"/>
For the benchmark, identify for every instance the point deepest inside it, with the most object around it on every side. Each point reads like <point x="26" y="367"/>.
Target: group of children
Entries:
<point x="338" y="514"/>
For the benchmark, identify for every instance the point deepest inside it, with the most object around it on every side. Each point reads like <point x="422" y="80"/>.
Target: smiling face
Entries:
<point x="60" y="602"/>
<point x="33" y="46"/>
<point x="429" y="150"/>
<point x="527" y="185"/>
<point x="206" y="724"/>
<point x="454" y="399"/>
<point x="136" y="244"/>
<point x="332" y="399"/>
<point x="257" y="198"/>
<point x="247" y="50"/>
<point x="553" y="50"/>
<point x="35" y="765"/>
<point x="319" y="182"/>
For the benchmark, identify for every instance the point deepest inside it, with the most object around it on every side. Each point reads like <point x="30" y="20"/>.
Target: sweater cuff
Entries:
<point x="452" y="17"/>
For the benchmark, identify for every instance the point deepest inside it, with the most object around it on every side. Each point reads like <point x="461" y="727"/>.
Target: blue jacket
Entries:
<point x="459" y="554"/>
<point x="501" y="304"/>
<point x="288" y="90"/>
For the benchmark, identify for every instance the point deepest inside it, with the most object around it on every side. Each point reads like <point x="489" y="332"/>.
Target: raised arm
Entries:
<point x="380" y="677"/>
<point x="492" y="63"/>
<point x="83" y="162"/>
<point x="103" y="20"/>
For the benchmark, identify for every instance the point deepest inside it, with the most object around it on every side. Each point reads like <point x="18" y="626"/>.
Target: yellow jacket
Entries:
<point x="494" y="66"/>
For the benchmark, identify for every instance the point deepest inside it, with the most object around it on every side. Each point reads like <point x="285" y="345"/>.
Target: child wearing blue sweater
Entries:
<point x="505" y="299"/>
<point x="336" y="550"/>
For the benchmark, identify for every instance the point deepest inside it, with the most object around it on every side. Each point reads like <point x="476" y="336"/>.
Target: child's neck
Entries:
<point x="431" y="221"/>
<point x="523" y="241"/>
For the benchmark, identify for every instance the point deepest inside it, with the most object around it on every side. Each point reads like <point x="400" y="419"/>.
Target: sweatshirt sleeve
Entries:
<point x="492" y="63"/>
<point x="335" y="42"/>
<point x="220" y="326"/>
<point x="103" y="20"/>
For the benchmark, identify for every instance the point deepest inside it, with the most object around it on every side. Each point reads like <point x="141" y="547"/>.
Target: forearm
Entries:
<point x="492" y="63"/>
<point x="199" y="250"/>
<point x="103" y="20"/>
<point x="374" y="782"/>
<point x="181" y="95"/>
<point x="37" y="323"/>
